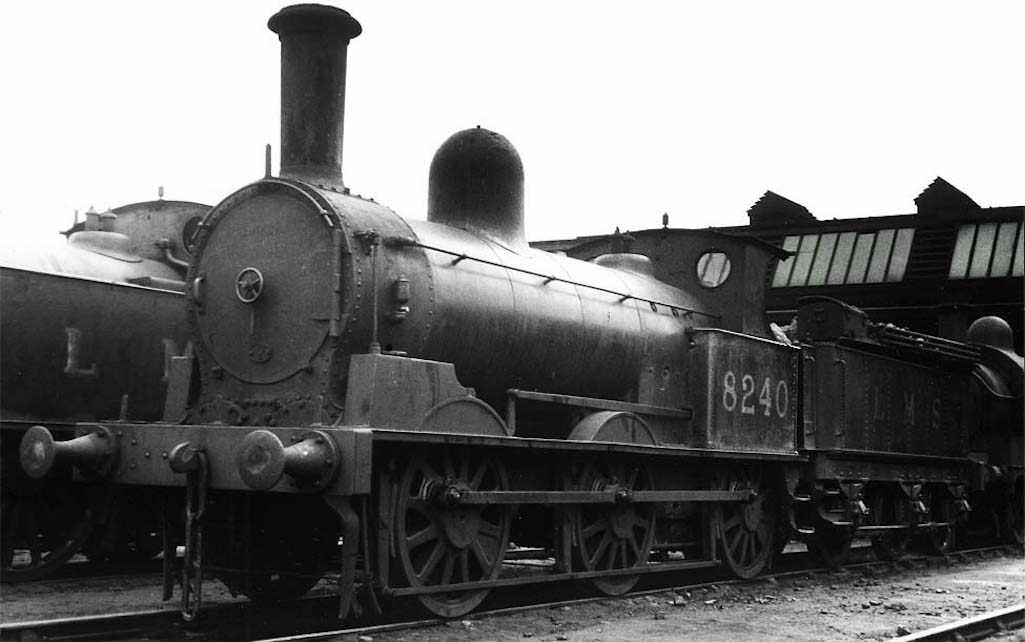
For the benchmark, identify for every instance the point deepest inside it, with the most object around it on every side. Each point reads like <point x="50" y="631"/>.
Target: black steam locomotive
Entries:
<point x="86" y="329"/>
<point x="427" y="392"/>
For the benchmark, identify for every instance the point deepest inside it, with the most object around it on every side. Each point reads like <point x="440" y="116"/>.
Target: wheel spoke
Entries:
<point x="732" y="547"/>
<point x="763" y="535"/>
<point x="432" y="561"/>
<point x="481" y="555"/>
<point x="422" y="537"/>
<point x="478" y="476"/>
<point x="447" y="569"/>
<point x="464" y="565"/>
<point x="731" y="523"/>
<point x="594" y="529"/>
<point x="488" y="530"/>
<point x="608" y="560"/>
<point x="639" y="521"/>
<point x="606" y="540"/>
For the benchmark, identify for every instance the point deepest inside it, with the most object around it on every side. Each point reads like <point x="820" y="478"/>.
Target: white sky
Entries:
<point x="620" y="111"/>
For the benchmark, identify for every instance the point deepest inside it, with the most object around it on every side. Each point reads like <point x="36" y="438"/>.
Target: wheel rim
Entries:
<point x="611" y="538"/>
<point x="441" y="543"/>
<point x="746" y="530"/>
<point x="45" y="524"/>
<point x="889" y="508"/>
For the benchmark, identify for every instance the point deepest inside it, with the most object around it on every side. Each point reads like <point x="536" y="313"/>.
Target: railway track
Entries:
<point x="979" y="627"/>
<point x="236" y="621"/>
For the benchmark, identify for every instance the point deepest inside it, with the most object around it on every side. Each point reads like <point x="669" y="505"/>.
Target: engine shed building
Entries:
<point x="933" y="271"/>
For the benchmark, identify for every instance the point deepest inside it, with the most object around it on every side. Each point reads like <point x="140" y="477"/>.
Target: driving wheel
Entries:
<point x="612" y="537"/>
<point x="746" y="531"/>
<point x="440" y="542"/>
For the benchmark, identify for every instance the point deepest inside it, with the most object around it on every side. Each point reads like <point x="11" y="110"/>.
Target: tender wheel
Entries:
<point x="830" y="544"/>
<point x="45" y="523"/>
<point x="440" y="542"/>
<point x="890" y="508"/>
<point x="746" y="531"/>
<point x="939" y="540"/>
<point x="612" y="537"/>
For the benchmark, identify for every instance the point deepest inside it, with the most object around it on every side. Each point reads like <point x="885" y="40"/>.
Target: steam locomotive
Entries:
<point x="86" y="329"/>
<point x="427" y="392"/>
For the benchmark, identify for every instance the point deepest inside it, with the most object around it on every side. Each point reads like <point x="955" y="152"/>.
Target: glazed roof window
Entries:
<point x="988" y="250"/>
<point x="839" y="258"/>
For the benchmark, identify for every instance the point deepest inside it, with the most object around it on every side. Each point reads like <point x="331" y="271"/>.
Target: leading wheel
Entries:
<point x="45" y="523"/>
<point x="269" y="547"/>
<point x="441" y="542"/>
<point x="746" y="530"/>
<point x="612" y="537"/>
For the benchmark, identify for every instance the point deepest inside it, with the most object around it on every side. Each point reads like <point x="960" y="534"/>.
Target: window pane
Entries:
<point x="1003" y="251"/>
<point x="822" y="257"/>
<point x="842" y="258"/>
<point x="962" y="252"/>
<point x="1018" y="267"/>
<point x="784" y="267"/>
<point x="804" y="257"/>
<point x="859" y="263"/>
<point x="901" y="252"/>
<point x="983" y="250"/>
<point x="880" y="256"/>
<point x="713" y="269"/>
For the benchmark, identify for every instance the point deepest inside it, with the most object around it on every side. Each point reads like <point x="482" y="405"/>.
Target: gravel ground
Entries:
<point x="71" y="598"/>
<point x="849" y="606"/>
<point x="845" y="606"/>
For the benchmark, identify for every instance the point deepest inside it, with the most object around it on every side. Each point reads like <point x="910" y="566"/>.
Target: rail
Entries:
<point x="979" y="627"/>
<point x="902" y="338"/>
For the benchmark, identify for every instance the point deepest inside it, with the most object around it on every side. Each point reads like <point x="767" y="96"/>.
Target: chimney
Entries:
<point x="314" y="41"/>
